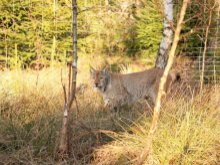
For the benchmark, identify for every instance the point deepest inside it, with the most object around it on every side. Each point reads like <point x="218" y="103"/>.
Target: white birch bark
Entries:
<point x="166" y="41"/>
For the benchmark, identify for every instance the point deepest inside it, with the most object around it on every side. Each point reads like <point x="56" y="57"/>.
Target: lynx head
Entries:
<point x="100" y="78"/>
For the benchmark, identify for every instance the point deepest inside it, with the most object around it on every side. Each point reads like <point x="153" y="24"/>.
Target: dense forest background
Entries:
<point x="39" y="32"/>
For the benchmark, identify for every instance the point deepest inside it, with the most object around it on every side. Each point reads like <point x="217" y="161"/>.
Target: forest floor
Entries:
<point x="31" y="108"/>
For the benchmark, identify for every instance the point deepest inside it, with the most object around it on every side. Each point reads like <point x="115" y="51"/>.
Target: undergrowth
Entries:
<point x="31" y="108"/>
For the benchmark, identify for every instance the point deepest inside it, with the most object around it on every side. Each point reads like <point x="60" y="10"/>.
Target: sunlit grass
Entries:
<point x="188" y="133"/>
<point x="31" y="108"/>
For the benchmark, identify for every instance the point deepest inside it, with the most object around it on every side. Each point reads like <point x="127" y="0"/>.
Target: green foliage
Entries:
<point x="149" y="26"/>
<point x="34" y="26"/>
<point x="42" y="30"/>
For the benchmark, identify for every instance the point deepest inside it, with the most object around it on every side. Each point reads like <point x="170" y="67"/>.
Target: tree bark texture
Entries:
<point x="165" y="44"/>
<point x="74" y="64"/>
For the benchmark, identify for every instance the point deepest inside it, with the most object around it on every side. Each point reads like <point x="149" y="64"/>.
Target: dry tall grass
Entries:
<point x="31" y="105"/>
<point x="188" y="133"/>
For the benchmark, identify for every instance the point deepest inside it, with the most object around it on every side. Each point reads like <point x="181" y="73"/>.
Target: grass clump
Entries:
<point x="188" y="133"/>
<point x="31" y="108"/>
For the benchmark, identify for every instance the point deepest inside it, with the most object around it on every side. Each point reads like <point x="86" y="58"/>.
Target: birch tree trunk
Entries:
<point x="162" y="54"/>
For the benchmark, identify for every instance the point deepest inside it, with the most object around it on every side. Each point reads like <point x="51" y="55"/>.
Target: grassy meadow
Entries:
<point x="31" y="108"/>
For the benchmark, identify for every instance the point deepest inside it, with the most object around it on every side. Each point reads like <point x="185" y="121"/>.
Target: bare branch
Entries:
<point x="154" y="124"/>
<point x="64" y="88"/>
<point x="69" y="80"/>
<point x="205" y="48"/>
<point x="64" y="147"/>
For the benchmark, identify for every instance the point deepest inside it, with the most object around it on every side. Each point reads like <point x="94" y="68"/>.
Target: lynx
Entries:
<point x="125" y="89"/>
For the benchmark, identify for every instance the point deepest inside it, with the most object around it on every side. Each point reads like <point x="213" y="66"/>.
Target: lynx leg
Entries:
<point x="114" y="116"/>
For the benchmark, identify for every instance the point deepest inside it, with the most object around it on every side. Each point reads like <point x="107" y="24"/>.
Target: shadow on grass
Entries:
<point x="30" y="125"/>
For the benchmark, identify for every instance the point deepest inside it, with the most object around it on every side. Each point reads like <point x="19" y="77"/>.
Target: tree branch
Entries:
<point x="154" y="124"/>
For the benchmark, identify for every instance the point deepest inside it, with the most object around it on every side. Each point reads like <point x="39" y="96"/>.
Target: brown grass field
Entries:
<point x="31" y="108"/>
